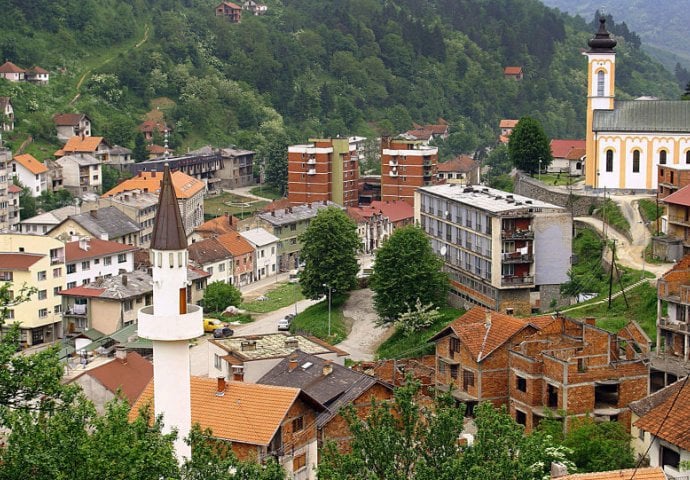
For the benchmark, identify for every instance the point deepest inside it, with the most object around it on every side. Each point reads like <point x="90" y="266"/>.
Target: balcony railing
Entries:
<point x="54" y="260"/>
<point x="508" y="280"/>
<point x="77" y="311"/>
<point x="517" y="234"/>
<point x="678" y="326"/>
<point x="311" y="161"/>
<point x="311" y="171"/>
<point x="678" y="219"/>
<point x="517" y="257"/>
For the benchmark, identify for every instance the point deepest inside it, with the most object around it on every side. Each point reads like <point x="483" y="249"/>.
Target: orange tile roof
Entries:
<point x="14" y="189"/>
<point x="9" y="67"/>
<point x="130" y="377"/>
<point x="506" y="123"/>
<point x="560" y="148"/>
<point x="669" y="424"/>
<point x="461" y="163"/>
<point x="83" y="291"/>
<point x="512" y="70"/>
<point x="235" y="243"/>
<point x="68" y="119"/>
<point x="648" y="473"/>
<point x="96" y="248"/>
<point x="247" y="412"/>
<point x="395" y="211"/>
<point x="31" y="164"/>
<point x="576" y="153"/>
<point x="219" y="225"/>
<point x="77" y="144"/>
<point x="18" y="261"/>
<point x="681" y="197"/>
<point x="185" y="186"/>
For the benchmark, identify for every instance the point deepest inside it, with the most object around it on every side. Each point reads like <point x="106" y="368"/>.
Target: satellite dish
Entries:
<point x="443" y="250"/>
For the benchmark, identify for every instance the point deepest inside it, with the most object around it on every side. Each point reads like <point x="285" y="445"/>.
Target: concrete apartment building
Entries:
<point x="323" y="170"/>
<point x="503" y="251"/>
<point x="89" y="260"/>
<point x="406" y="165"/>
<point x="9" y="194"/>
<point x="35" y="261"/>
<point x="80" y="174"/>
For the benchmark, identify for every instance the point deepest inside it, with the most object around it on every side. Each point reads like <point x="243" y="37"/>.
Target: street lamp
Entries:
<point x="540" y="169"/>
<point x="329" y="308"/>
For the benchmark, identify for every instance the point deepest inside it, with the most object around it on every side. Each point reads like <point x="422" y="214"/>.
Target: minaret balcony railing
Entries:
<point x="184" y="326"/>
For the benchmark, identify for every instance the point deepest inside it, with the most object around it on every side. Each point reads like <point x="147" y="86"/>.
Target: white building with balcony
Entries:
<point x="91" y="259"/>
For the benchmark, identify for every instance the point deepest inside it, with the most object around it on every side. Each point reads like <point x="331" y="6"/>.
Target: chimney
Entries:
<point x="121" y="354"/>
<point x="591" y="321"/>
<point x="273" y="213"/>
<point x="487" y="317"/>
<point x="220" y="391"/>
<point x="327" y="368"/>
<point x="286" y="210"/>
<point x="238" y="373"/>
<point x="84" y="244"/>
<point x="124" y="280"/>
<point x="94" y="213"/>
<point x="293" y="363"/>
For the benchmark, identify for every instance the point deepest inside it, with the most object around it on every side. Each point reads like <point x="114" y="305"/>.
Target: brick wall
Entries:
<point x="579" y="205"/>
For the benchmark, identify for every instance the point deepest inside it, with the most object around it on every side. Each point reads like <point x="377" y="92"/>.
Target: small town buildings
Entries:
<point x="45" y="222"/>
<point x="640" y="473"/>
<point x="81" y="174"/>
<point x="37" y="74"/>
<point x="30" y="172"/>
<point x="243" y="255"/>
<point x="501" y="250"/>
<point x="677" y="225"/>
<point x="34" y="261"/>
<point x="72" y="125"/>
<point x="265" y="252"/>
<point x="462" y="170"/>
<point x="139" y="206"/>
<point x="213" y="258"/>
<point x="225" y="223"/>
<point x="506" y="125"/>
<point x="9" y="71"/>
<point x="6" y="115"/>
<point x="120" y="157"/>
<point x="83" y="145"/>
<point x="108" y="223"/>
<point x="323" y="170"/>
<point x="672" y="178"/>
<point x="254" y="8"/>
<point x="204" y="165"/>
<point x="373" y="227"/>
<point x="189" y="192"/>
<point x="250" y="358"/>
<point x="237" y="168"/>
<point x="405" y="166"/>
<point x="125" y="377"/>
<point x="9" y="194"/>
<point x="513" y="73"/>
<point x="568" y="157"/>
<point x="427" y="133"/>
<point x="258" y="421"/>
<point x="369" y="189"/>
<point x="149" y="127"/>
<point x="91" y="259"/>
<point x="662" y="429"/>
<point x="334" y="387"/>
<point x="232" y="12"/>
<point x="287" y="224"/>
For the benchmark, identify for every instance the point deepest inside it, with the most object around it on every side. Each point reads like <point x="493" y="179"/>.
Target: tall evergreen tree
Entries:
<point x="529" y="148"/>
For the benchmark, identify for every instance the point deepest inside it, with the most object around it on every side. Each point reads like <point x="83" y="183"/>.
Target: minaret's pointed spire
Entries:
<point x="168" y="230"/>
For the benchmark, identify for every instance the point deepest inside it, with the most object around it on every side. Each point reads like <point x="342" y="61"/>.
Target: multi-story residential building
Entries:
<point x="6" y="115"/>
<point x="502" y="251"/>
<point x="671" y="178"/>
<point x="213" y="258"/>
<point x="139" y="206"/>
<point x="507" y="126"/>
<point x="9" y="194"/>
<point x="238" y="168"/>
<point x="189" y="191"/>
<point x="243" y="255"/>
<point x="45" y="222"/>
<point x="287" y="224"/>
<point x="91" y="259"/>
<point x="107" y="224"/>
<point x="34" y="261"/>
<point x="572" y="369"/>
<point x="677" y="222"/>
<point x="120" y="157"/>
<point x="83" y="145"/>
<point x="406" y="165"/>
<point x="9" y="71"/>
<point x="232" y="12"/>
<point x="427" y="133"/>
<point x="81" y="174"/>
<point x="265" y="252"/>
<point x="30" y="172"/>
<point x="72" y="125"/>
<point x="325" y="169"/>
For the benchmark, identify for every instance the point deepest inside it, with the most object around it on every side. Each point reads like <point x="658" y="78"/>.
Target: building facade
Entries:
<point x="9" y="194"/>
<point x="30" y="172"/>
<point x="501" y="251"/>
<point x="69" y="125"/>
<point x="80" y="174"/>
<point x="89" y="260"/>
<point x="265" y="252"/>
<point x="405" y="166"/>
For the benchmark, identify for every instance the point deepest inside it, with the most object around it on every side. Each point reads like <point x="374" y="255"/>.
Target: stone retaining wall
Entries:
<point x="579" y="205"/>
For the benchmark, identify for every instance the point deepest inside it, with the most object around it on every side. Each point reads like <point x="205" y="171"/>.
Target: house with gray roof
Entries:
<point x="266" y="247"/>
<point x="107" y="223"/>
<point x="81" y="173"/>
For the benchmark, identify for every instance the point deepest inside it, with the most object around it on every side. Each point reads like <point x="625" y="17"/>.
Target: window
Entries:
<point x="636" y="161"/>
<point x="298" y="424"/>
<point x="210" y="270"/>
<point x="127" y="305"/>
<point x="609" y="160"/>
<point x="85" y="265"/>
<point x="71" y="285"/>
<point x="10" y="314"/>
<point x="669" y="458"/>
<point x="441" y="367"/>
<point x="57" y="309"/>
<point x="454" y="372"/>
<point x="601" y="78"/>
<point x="687" y="157"/>
<point x="520" y="417"/>
<point x="107" y="261"/>
<point x="57" y="272"/>
<point x="71" y="268"/>
<point x="86" y="281"/>
<point x="467" y="379"/>
<point x="56" y="291"/>
<point x="293" y="227"/>
<point x="96" y="261"/>
<point x="43" y="313"/>
<point x="42" y="294"/>
<point x="454" y="345"/>
<point x="122" y="258"/>
<point x="217" y="362"/>
<point x="299" y="462"/>
<point x="221" y="267"/>
<point x="41" y="275"/>
<point x="521" y="383"/>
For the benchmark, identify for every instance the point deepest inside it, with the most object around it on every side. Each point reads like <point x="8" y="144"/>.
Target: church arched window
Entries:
<point x="600" y="83"/>
<point x="609" y="160"/>
<point x="687" y="157"/>
<point x="636" y="161"/>
<point x="662" y="157"/>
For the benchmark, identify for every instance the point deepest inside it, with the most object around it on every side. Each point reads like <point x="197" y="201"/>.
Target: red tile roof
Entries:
<point x="18" y="261"/>
<point x="681" y="197"/>
<point x="96" y="248"/>
<point x="130" y="377"/>
<point x="37" y="69"/>
<point x="150" y="125"/>
<point x="31" y="164"/>
<point x="14" y="189"/>
<point x="506" y="123"/>
<point x="67" y="119"/>
<point x="670" y="424"/>
<point x="576" y="153"/>
<point x="83" y="291"/>
<point x="235" y="243"/>
<point x="561" y="148"/>
<point x="246" y="413"/>
<point x="396" y="211"/>
<point x="9" y="67"/>
<point x="156" y="149"/>
<point x="78" y="144"/>
<point x="232" y="5"/>
<point x="648" y="473"/>
<point x="512" y="70"/>
<point x="219" y="225"/>
<point x="461" y="163"/>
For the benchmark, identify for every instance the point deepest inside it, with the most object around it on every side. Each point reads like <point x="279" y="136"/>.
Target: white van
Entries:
<point x="293" y="276"/>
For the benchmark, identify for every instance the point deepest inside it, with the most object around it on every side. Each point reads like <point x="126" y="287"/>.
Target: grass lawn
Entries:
<point x="314" y="320"/>
<point x="282" y="295"/>
<point x="266" y="192"/>
<point x="555" y="179"/>
<point x="398" y="345"/>
<point x="231" y="203"/>
<point x="611" y="213"/>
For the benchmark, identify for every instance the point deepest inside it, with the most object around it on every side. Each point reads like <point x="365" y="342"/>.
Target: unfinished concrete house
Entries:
<point x="571" y="368"/>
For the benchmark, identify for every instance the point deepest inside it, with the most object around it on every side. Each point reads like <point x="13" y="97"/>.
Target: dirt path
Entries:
<point x="365" y="336"/>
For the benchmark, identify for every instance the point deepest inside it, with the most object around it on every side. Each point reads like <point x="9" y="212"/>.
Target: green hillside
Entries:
<point x="308" y="67"/>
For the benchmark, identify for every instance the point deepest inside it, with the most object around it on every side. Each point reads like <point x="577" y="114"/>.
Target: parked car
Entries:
<point x="211" y="324"/>
<point x="285" y="322"/>
<point x="223" y="332"/>
<point x="293" y="276"/>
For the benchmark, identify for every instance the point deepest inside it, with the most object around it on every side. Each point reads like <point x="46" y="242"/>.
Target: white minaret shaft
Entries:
<point x="170" y="322"/>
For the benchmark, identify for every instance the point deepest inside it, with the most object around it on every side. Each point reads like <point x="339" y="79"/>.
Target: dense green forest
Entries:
<point x="306" y="68"/>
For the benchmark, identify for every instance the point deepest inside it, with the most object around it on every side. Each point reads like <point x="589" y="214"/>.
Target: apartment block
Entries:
<point x="406" y="165"/>
<point x="323" y="170"/>
<point x="92" y="259"/>
<point x="9" y="194"/>
<point x="503" y="251"/>
<point x="81" y="174"/>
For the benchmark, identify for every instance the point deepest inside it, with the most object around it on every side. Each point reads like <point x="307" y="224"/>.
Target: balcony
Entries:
<point x="679" y="220"/>
<point x="311" y="171"/>
<point x="311" y="161"/>
<point x="517" y="281"/>
<point x="517" y="234"/>
<point x="56" y="260"/>
<point x="393" y="172"/>
<point x="517" y="257"/>
<point x="76" y="311"/>
<point x="393" y="162"/>
<point x="667" y="324"/>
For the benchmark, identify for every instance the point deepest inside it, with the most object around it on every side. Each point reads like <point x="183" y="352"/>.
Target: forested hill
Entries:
<point x="308" y="67"/>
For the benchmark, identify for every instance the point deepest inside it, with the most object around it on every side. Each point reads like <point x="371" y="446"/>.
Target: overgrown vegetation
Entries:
<point x="610" y="213"/>
<point x="650" y="211"/>
<point x="314" y="320"/>
<point x="282" y="295"/>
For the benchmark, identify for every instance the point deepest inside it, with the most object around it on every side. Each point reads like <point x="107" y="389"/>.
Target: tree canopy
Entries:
<point x="329" y="252"/>
<point x="220" y="295"/>
<point x="528" y="147"/>
<point x="406" y="269"/>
